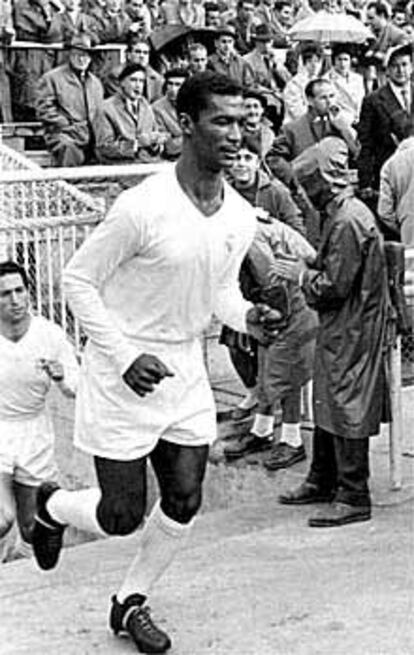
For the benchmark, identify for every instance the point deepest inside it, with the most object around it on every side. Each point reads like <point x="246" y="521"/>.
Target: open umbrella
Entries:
<point x="325" y="27"/>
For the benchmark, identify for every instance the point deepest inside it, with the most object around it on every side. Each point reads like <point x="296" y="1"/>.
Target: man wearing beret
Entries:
<point x="129" y="130"/>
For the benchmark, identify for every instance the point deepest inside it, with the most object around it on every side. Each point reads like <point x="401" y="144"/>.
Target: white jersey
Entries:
<point x="23" y="383"/>
<point x="149" y="279"/>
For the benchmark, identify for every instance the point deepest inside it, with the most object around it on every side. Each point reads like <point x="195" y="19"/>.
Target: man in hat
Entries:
<point x="129" y="129"/>
<point x="347" y="286"/>
<point x="270" y="77"/>
<point x="145" y="285"/>
<point x="226" y="60"/>
<point x="349" y="85"/>
<point x="69" y="101"/>
<point x="257" y="127"/>
<point x="385" y="113"/>
<point x="166" y="116"/>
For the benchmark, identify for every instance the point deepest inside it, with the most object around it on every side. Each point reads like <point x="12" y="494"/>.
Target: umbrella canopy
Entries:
<point x="325" y="27"/>
<point x="177" y="35"/>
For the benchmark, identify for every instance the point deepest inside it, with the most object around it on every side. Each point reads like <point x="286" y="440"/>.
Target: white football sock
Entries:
<point x="77" y="508"/>
<point x="291" y="435"/>
<point x="161" y="539"/>
<point x="263" y="425"/>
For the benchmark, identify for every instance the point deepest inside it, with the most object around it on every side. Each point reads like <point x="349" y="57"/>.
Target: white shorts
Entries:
<point x="27" y="450"/>
<point x="114" y="422"/>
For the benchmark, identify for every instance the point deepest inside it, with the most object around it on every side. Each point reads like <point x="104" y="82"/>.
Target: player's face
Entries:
<point x="216" y="135"/>
<point x="14" y="299"/>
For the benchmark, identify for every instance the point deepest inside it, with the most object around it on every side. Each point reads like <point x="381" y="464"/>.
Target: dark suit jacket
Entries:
<point x="381" y="117"/>
<point x="294" y="138"/>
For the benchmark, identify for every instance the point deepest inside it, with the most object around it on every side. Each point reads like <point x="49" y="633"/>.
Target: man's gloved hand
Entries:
<point x="262" y="323"/>
<point x="145" y="372"/>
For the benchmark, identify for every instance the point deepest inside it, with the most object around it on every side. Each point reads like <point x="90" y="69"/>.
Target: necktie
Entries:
<point x="406" y="100"/>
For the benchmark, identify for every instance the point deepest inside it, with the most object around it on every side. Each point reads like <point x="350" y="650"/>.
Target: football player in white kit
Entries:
<point x="34" y="353"/>
<point x="145" y="285"/>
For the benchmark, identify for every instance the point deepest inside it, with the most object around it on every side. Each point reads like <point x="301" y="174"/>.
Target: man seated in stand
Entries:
<point x="256" y="126"/>
<point x="197" y="58"/>
<point x="226" y="61"/>
<point x="165" y="113"/>
<point x="129" y="130"/>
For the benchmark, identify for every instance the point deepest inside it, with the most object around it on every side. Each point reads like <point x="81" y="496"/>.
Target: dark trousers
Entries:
<point x="342" y="466"/>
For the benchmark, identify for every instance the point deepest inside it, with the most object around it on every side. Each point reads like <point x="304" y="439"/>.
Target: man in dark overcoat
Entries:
<point x="347" y="286"/>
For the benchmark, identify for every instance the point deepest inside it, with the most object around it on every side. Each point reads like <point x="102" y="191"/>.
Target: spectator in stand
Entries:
<point x="244" y="23"/>
<point x="294" y="95"/>
<point x="396" y="194"/>
<point x="286" y="363"/>
<point x="7" y="33"/>
<point x="256" y="126"/>
<point x="408" y="29"/>
<point x="128" y="130"/>
<point x="112" y="22"/>
<point x="197" y="58"/>
<point x="398" y="16"/>
<point x="69" y="101"/>
<point x="213" y="17"/>
<point x="385" y="113"/>
<point x="347" y="286"/>
<point x="139" y="16"/>
<point x="33" y="21"/>
<point x="155" y="14"/>
<point x="137" y="52"/>
<point x="280" y="20"/>
<point x="227" y="61"/>
<point x="34" y="357"/>
<point x="165" y="112"/>
<point x="387" y="35"/>
<point x="322" y="119"/>
<point x="270" y="77"/>
<point x="73" y="20"/>
<point x="349" y="86"/>
<point x="183" y="12"/>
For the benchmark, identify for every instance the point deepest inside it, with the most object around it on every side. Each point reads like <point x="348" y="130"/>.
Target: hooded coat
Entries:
<point x="348" y="288"/>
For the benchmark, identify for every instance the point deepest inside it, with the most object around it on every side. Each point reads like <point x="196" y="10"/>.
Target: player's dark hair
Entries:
<point x="11" y="268"/>
<point x="194" y="94"/>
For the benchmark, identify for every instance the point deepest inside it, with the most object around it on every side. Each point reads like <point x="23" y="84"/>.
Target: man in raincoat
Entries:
<point x="347" y="286"/>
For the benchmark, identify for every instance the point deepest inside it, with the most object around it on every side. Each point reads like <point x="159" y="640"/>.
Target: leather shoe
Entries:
<point x="284" y="455"/>
<point x="340" y="514"/>
<point x="247" y="445"/>
<point x="305" y="494"/>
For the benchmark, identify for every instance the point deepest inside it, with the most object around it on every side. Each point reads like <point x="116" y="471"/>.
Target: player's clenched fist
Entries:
<point x="144" y="373"/>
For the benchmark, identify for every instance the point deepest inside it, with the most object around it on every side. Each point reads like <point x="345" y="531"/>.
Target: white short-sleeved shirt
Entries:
<point x="23" y="383"/>
<point x="149" y="279"/>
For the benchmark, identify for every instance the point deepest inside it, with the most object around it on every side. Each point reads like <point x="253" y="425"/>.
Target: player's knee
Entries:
<point x="6" y="520"/>
<point x="182" y="507"/>
<point x="120" y="515"/>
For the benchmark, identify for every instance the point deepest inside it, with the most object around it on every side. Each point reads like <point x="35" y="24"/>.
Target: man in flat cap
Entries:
<point x="70" y="98"/>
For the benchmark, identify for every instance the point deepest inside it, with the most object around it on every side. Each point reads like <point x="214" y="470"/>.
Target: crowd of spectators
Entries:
<point x="249" y="40"/>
